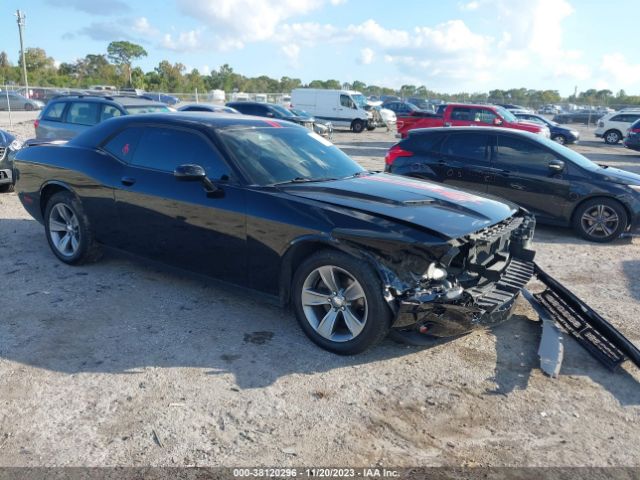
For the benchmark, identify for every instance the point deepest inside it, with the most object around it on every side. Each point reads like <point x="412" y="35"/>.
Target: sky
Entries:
<point x="448" y="46"/>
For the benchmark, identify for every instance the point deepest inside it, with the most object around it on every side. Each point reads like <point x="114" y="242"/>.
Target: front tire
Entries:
<point x="357" y="126"/>
<point x="68" y="230"/>
<point x="612" y="137"/>
<point x="6" y="188"/>
<point x="600" y="220"/>
<point x="338" y="302"/>
<point x="561" y="139"/>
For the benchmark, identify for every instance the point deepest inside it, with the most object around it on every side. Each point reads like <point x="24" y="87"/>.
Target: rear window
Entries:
<point x="467" y="146"/>
<point x="83" y="113"/>
<point x="136" y="109"/>
<point x="55" y="111"/>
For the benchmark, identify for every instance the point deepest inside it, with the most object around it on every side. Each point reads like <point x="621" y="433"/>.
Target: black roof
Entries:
<point x="473" y="129"/>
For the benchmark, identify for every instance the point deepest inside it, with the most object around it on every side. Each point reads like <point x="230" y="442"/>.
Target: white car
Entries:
<point x="612" y="127"/>
<point x="388" y="117"/>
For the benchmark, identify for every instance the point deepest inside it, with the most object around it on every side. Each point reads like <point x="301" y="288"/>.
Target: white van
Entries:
<point x="343" y="108"/>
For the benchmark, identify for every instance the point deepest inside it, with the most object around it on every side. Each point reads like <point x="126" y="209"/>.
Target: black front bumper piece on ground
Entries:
<point x="593" y="332"/>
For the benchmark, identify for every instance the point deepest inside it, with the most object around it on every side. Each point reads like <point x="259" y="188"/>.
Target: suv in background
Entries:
<point x="65" y="117"/>
<point x="613" y="126"/>
<point x="271" y="110"/>
<point x="559" y="134"/>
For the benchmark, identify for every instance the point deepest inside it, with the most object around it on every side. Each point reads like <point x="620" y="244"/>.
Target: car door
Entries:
<point x="465" y="160"/>
<point x="177" y="221"/>
<point x="460" y="117"/>
<point x="521" y="173"/>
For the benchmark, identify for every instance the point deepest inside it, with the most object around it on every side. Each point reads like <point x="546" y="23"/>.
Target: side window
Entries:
<point x="516" y="152"/>
<point x="109" y="111"/>
<point x="83" y="113"/>
<point x="483" y="116"/>
<point x="467" y="146"/>
<point x="346" y="101"/>
<point x="124" y="144"/>
<point x="619" y="118"/>
<point x="426" y="143"/>
<point x="460" y="113"/>
<point x="247" y="109"/>
<point x="55" y="111"/>
<point x="632" y="118"/>
<point x="166" y="148"/>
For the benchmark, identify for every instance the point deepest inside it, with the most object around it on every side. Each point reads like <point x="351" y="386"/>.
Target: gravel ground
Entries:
<point x="127" y="362"/>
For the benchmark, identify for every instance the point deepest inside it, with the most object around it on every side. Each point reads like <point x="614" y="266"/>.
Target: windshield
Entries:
<point x="570" y="154"/>
<point x="282" y="111"/>
<point x="360" y="100"/>
<point x="300" y="113"/>
<point x="275" y="155"/>
<point x="506" y="115"/>
<point x="135" y="109"/>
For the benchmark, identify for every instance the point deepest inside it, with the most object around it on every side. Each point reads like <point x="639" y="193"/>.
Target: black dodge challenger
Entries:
<point x="276" y="208"/>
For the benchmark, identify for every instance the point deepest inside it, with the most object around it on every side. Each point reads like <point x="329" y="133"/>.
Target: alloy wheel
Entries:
<point x="600" y="221"/>
<point x="64" y="230"/>
<point x="334" y="303"/>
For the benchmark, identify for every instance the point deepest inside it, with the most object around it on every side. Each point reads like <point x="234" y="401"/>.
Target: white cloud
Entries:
<point x="184" y="41"/>
<point x="366" y="56"/>
<point x="291" y="51"/>
<point x="616" y="67"/>
<point x="142" y="26"/>
<point x="469" y="6"/>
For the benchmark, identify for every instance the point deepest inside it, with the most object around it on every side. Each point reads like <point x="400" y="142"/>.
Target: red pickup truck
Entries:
<point x="464" y="115"/>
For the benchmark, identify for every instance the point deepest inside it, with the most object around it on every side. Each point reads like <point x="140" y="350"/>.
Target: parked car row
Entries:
<point x="10" y="100"/>
<point x="262" y="203"/>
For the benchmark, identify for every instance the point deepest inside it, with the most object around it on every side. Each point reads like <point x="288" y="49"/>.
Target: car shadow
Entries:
<point x="124" y="315"/>
<point x="517" y="344"/>
<point x="563" y="235"/>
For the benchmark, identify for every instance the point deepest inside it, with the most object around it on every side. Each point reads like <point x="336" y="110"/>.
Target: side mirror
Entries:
<point x="497" y="121"/>
<point x="556" y="166"/>
<point x="189" y="172"/>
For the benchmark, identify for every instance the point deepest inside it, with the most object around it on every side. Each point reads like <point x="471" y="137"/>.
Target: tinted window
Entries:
<point x="124" y="144"/>
<point x="83" y="113"/>
<point x="247" y="109"/>
<point x="459" y="113"/>
<point x="272" y="155"/>
<point x="425" y="143"/>
<point x="516" y="152"/>
<point x="471" y="146"/>
<point x="109" y="111"/>
<point x="166" y="148"/>
<point x="632" y="117"/>
<point x="619" y="118"/>
<point x="55" y="111"/>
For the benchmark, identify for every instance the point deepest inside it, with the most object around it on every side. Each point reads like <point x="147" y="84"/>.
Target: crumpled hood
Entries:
<point x="619" y="176"/>
<point x="447" y="212"/>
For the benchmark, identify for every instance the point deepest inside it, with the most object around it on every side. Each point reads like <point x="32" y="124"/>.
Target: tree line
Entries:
<point x="115" y="67"/>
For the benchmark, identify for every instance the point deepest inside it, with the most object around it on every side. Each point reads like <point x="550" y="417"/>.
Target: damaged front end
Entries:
<point x="474" y="283"/>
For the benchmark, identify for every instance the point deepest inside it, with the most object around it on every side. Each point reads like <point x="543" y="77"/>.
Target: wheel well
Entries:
<point x="614" y="130"/>
<point x="294" y="257"/>
<point x="47" y="192"/>
<point x="357" y="120"/>
<point x="626" y="209"/>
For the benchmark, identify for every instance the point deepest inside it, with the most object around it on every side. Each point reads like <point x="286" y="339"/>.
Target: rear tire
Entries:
<point x="600" y="220"/>
<point x="356" y="318"/>
<point x="357" y="126"/>
<point x="612" y="137"/>
<point x="6" y="188"/>
<point x="68" y="230"/>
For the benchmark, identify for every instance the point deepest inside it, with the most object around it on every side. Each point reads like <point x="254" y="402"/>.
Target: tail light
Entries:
<point x="395" y="152"/>
<point x="36" y="122"/>
<point x="635" y="130"/>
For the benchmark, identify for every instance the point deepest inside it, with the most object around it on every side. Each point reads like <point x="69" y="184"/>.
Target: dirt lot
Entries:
<point x="130" y="363"/>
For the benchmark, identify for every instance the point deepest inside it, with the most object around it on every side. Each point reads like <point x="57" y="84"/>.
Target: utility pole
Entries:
<point x="21" y="22"/>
